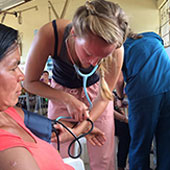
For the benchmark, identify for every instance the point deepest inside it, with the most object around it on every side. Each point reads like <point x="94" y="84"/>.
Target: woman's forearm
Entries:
<point x="97" y="110"/>
<point x="44" y="90"/>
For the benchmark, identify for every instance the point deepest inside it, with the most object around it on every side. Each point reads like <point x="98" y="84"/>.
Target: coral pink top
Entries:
<point x="45" y="155"/>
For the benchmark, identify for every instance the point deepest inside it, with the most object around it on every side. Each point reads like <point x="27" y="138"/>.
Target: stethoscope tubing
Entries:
<point x="85" y="77"/>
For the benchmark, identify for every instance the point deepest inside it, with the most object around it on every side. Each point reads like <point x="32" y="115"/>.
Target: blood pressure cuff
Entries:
<point x="38" y="124"/>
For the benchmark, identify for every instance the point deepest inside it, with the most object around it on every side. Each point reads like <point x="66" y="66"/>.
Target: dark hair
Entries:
<point x="45" y="71"/>
<point x="8" y="40"/>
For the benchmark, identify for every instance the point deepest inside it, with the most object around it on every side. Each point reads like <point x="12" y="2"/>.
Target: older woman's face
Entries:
<point x="10" y="79"/>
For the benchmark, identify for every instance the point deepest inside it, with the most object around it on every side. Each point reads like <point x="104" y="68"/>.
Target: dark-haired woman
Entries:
<point x="19" y="148"/>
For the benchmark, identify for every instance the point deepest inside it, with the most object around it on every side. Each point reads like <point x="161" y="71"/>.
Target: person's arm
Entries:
<point x="111" y="78"/>
<point x="42" y="47"/>
<point x="120" y="86"/>
<point x="41" y="126"/>
<point x="121" y="117"/>
<point x="96" y="137"/>
<point x="17" y="158"/>
<point x="120" y="89"/>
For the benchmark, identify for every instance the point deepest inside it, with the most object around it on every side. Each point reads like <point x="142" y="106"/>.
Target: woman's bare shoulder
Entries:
<point x="46" y="32"/>
<point x="61" y="24"/>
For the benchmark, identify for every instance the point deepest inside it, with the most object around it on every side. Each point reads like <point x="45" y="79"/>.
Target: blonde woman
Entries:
<point x="94" y="36"/>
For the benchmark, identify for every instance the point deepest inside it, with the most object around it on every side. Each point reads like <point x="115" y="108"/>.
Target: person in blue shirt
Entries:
<point x="146" y="71"/>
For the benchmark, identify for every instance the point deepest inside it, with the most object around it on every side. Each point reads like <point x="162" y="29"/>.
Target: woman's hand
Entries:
<point x="77" y="109"/>
<point x="96" y="137"/>
<point x="64" y="136"/>
<point x="126" y="119"/>
<point x="121" y="116"/>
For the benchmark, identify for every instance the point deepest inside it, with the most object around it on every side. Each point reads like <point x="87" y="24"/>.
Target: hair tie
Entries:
<point x="90" y="7"/>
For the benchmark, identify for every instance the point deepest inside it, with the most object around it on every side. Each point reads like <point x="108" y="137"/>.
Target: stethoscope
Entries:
<point x="85" y="77"/>
<point x="76" y="139"/>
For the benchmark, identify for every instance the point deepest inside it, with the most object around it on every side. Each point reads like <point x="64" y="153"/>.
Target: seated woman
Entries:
<point x="19" y="147"/>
